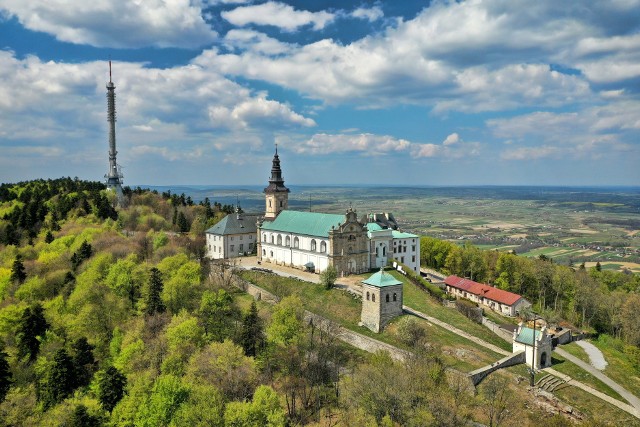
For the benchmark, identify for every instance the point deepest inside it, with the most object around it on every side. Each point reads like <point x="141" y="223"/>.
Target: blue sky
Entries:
<point x="353" y="92"/>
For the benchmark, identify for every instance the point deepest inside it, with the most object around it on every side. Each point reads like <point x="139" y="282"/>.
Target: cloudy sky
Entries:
<point x="474" y="92"/>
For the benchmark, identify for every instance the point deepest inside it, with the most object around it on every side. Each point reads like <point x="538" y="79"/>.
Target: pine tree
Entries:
<point x="48" y="238"/>
<point x="154" y="302"/>
<point x="5" y="375"/>
<point x="58" y="382"/>
<point x="251" y="333"/>
<point x="111" y="388"/>
<point x="82" y="418"/>
<point x="32" y="325"/>
<point x="598" y="266"/>
<point x="182" y="223"/>
<point x="83" y="361"/>
<point x="17" y="270"/>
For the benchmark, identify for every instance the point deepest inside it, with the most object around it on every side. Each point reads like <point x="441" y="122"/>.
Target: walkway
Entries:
<point x="615" y="402"/>
<point x="630" y="397"/>
<point x="595" y="355"/>
<point x="457" y="331"/>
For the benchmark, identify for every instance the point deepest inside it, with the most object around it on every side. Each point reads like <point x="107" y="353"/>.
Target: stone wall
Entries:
<point x="496" y="329"/>
<point x="479" y="374"/>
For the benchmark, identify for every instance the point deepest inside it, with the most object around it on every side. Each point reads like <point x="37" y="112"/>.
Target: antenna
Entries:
<point x="110" y="72"/>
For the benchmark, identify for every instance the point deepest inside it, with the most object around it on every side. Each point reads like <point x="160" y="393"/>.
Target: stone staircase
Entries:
<point x="550" y="383"/>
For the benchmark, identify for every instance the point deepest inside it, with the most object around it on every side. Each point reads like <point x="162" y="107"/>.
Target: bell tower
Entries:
<point x="276" y="194"/>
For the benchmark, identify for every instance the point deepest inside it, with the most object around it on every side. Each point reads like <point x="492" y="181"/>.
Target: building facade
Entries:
<point x="501" y="301"/>
<point x="536" y="344"/>
<point x="233" y="236"/>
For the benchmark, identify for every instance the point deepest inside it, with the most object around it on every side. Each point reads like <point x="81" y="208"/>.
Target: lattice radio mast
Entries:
<point x="114" y="176"/>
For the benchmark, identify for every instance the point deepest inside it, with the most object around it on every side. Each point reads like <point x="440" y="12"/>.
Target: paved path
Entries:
<point x="457" y="331"/>
<point x="628" y="396"/>
<point x="615" y="402"/>
<point x="595" y="355"/>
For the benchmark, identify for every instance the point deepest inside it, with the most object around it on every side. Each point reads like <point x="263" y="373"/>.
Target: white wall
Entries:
<point x="229" y="246"/>
<point x="290" y="255"/>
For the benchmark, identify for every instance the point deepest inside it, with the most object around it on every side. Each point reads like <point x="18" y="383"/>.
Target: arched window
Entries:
<point x="323" y="246"/>
<point x="287" y="241"/>
<point x="368" y="296"/>
<point x="373" y="297"/>
<point x="264" y="237"/>
<point x="296" y="243"/>
<point x="272" y="239"/>
<point x="395" y="296"/>
<point x="279" y="240"/>
<point x="269" y="202"/>
<point x="271" y="254"/>
<point x="313" y="244"/>
<point x="384" y="251"/>
<point x="264" y="252"/>
<point x="352" y="237"/>
<point x="377" y="252"/>
<point x="387" y="297"/>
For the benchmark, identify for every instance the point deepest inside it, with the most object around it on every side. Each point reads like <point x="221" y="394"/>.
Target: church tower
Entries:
<point x="277" y="195"/>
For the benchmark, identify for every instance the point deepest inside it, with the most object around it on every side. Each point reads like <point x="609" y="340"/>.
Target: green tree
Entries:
<point x="83" y="361"/>
<point x="217" y="314"/>
<point x="111" y="386"/>
<point x="167" y="395"/>
<point x="203" y="408"/>
<point x="58" y="382"/>
<point x="286" y="322"/>
<point x="182" y="223"/>
<point x="264" y="410"/>
<point x="251" y="333"/>
<point x="630" y="320"/>
<point x="154" y="301"/>
<point x="48" y="238"/>
<point x="82" y="418"/>
<point x="5" y="375"/>
<point x="31" y="326"/>
<point x="17" y="270"/>
<point x="328" y="277"/>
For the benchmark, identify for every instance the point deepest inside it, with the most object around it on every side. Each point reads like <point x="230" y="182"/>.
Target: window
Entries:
<point x="232" y="238"/>
<point x="209" y="247"/>
<point x="387" y="297"/>
<point x="368" y="296"/>
<point x="351" y="236"/>
<point x="232" y="248"/>
<point x="279" y="240"/>
<point x="272" y="239"/>
<point x="250" y="236"/>
<point x="264" y="237"/>
<point x="271" y="254"/>
<point x="250" y="246"/>
<point x="373" y="297"/>
<point x="384" y="251"/>
<point x="269" y="202"/>
<point x="264" y="252"/>
<point x="402" y="259"/>
<point x="323" y="247"/>
<point x="287" y="241"/>
<point x="241" y="247"/>
<point x="296" y="243"/>
<point x="395" y="251"/>
<point x="413" y="258"/>
<point x="240" y="237"/>
<point x="395" y="296"/>
<point x="377" y="252"/>
<point x="313" y="244"/>
<point x="280" y="203"/>
<point x="413" y="248"/>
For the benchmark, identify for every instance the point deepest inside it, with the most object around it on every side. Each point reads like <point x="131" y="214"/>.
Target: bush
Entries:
<point x="469" y="309"/>
<point x="328" y="277"/>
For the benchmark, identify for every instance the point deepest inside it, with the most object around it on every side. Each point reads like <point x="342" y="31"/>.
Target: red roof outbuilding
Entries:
<point x="482" y="290"/>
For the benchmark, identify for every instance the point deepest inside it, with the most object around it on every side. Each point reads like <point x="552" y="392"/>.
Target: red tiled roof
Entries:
<point x="482" y="290"/>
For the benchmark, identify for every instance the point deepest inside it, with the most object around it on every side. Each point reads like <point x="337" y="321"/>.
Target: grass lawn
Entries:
<point x="594" y="408"/>
<point x="343" y="308"/>
<point x="560" y="364"/>
<point x="423" y="302"/>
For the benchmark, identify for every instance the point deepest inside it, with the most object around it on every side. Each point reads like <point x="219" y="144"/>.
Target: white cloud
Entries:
<point x="279" y="15"/>
<point x="257" y="111"/>
<point x="530" y="153"/>
<point x="453" y="147"/>
<point x="116" y="23"/>
<point x="370" y="14"/>
<point x="366" y="143"/>
<point x="256" y="42"/>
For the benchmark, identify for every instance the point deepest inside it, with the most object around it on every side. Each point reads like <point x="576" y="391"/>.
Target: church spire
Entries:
<point x="276" y="183"/>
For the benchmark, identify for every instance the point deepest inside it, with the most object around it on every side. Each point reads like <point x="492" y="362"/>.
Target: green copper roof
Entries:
<point x="231" y="224"/>
<point x="526" y="336"/>
<point x="372" y="226"/>
<point x="400" y="235"/>
<point x="308" y="223"/>
<point x="381" y="279"/>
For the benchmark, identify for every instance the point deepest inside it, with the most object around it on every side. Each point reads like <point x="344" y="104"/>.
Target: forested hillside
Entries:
<point x="603" y="301"/>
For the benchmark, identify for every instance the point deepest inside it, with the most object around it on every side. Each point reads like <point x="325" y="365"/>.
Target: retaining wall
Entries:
<point x="479" y="374"/>
<point x="496" y="329"/>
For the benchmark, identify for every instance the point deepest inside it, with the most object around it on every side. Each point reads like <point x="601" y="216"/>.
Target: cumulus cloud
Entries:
<point x="370" y="14"/>
<point x="453" y="147"/>
<point x="116" y="23"/>
<point x="595" y="131"/>
<point x="254" y="41"/>
<point x="257" y="111"/>
<point x="278" y="15"/>
<point x="463" y="56"/>
<point x="366" y="143"/>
